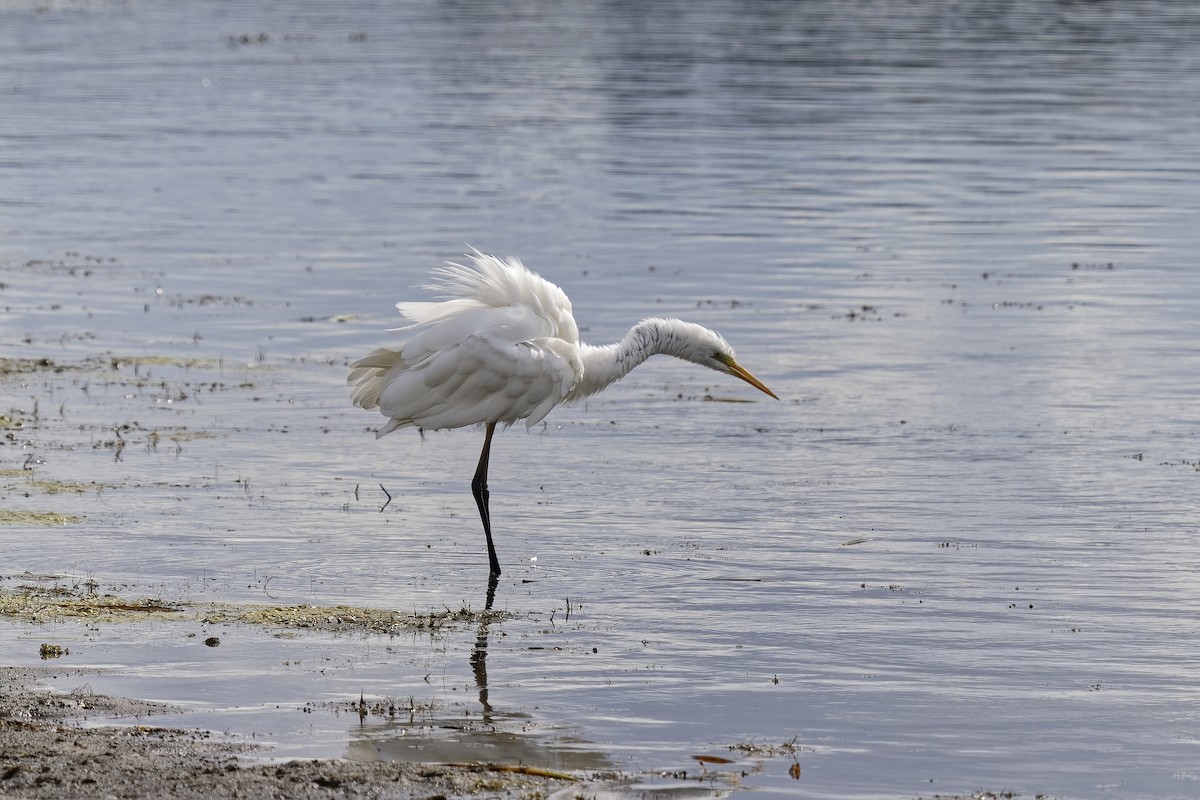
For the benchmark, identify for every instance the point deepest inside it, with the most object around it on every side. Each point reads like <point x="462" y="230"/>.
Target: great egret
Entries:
<point x="503" y="346"/>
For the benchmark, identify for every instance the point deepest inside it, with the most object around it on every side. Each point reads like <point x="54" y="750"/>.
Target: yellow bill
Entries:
<point x="743" y="373"/>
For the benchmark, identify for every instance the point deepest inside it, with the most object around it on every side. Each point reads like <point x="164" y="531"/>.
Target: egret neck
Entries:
<point x="604" y="365"/>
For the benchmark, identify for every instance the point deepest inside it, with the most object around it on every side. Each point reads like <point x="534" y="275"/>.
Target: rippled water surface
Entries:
<point x="958" y="240"/>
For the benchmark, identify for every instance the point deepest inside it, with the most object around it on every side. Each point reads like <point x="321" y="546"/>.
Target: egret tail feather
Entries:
<point x="370" y="375"/>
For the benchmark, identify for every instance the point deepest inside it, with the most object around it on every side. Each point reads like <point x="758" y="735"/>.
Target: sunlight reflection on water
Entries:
<point x="956" y="240"/>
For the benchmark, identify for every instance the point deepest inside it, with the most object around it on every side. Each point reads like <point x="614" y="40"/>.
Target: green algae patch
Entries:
<point x="24" y="366"/>
<point x="42" y="518"/>
<point x="60" y="602"/>
<point x="65" y="487"/>
<point x="28" y="366"/>
<point x="347" y="618"/>
<point x="178" y="436"/>
<point x="116" y="362"/>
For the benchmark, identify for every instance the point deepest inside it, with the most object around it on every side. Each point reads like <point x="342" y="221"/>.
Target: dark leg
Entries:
<point x="479" y="488"/>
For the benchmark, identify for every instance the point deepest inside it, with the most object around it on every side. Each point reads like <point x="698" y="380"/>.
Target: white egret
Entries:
<point x="503" y="346"/>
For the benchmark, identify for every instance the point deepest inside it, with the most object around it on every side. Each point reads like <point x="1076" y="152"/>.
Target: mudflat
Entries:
<point x="55" y="744"/>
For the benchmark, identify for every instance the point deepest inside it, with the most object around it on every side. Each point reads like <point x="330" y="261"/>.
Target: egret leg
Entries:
<point x="479" y="488"/>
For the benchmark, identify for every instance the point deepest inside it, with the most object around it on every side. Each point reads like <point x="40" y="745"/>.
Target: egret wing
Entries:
<point x="511" y="324"/>
<point x="477" y="380"/>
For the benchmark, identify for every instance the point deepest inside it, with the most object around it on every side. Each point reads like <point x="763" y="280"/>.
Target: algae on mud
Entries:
<point x="35" y="518"/>
<point x="41" y="604"/>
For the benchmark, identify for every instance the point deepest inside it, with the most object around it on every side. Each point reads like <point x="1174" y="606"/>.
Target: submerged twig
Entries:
<point x="518" y="769"/>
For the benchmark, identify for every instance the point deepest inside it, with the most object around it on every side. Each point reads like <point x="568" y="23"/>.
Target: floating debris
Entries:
<point x="48" y="651"/>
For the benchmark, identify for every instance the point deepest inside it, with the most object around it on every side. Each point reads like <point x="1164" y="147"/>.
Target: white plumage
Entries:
<point x="503" y="346"/>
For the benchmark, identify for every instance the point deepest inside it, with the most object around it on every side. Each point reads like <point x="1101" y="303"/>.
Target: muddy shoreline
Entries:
<point x="59" y="739"/>
<point x="58" y="745"/>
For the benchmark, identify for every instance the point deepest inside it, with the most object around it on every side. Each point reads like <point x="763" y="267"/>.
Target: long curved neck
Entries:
<point x="606" y="364"/>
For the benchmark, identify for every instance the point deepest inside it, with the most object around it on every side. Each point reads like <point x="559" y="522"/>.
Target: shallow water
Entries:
<point x="958" y="241"/>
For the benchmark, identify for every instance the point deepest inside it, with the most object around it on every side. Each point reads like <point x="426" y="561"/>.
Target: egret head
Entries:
<point x="708" y="348"/>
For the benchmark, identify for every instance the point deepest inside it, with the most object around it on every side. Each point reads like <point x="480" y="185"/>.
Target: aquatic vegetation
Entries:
<point x="61" y="601"/>
<point x="64" y="487"/>
<point x="10" y="516"/>
<point x="48" y="651"/>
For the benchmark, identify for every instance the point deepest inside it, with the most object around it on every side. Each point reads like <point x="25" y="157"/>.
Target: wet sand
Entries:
<point x="59" y="739"/>
<point x="57" y="745"/>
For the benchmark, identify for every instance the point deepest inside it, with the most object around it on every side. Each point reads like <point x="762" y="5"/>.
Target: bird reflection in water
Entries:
<point x="479" y="654"/>
<point x="437" y="731"/>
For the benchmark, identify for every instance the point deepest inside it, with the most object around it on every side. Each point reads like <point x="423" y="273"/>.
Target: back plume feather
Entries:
<point x="490" y="282"/>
